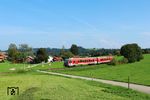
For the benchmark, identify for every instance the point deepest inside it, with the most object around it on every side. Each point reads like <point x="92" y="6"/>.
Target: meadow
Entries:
<point x="139" y="72"/>
<point x="8" y="67"/>
<point x="36" y="86"/>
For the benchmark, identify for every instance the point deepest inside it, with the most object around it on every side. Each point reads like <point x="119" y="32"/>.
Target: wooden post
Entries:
<point x="128" y="82"/>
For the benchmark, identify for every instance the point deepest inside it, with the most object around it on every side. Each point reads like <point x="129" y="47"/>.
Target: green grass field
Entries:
<point x="34" y="86"/>
<point x="37" y="86"/>
<point x="138" y="72"/>
<point x="54" y="65"/>
<point x="7" y="66"/>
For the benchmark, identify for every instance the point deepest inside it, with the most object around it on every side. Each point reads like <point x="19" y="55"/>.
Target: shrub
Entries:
<point x="123" y="61"/>
<point x="113" y="62"/>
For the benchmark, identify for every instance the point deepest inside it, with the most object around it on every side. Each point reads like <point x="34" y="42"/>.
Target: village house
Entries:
<point x="57" y="59"/>
<point x="29" y="59"/>
<point x="3" y="56"/>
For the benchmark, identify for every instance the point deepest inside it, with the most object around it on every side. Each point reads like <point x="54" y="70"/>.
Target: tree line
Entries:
<point x="18" y="54"/>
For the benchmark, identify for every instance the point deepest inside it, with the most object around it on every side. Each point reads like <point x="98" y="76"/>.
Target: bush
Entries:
<point x="116" y="62"/>
<point x="113" y="62"/>
<point x="123" y="61"/>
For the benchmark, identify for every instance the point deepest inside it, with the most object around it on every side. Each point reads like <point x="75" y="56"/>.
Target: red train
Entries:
<point x="87" y="61"/>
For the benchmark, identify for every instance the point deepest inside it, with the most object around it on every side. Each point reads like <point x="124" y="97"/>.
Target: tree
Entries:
<point x="12" y="52"/>
<point x="94" y="52"/>
<point x="66" y="55"/>
<point x="74" y="49"/>
<point x="132" y="52"/>
<point x="25" y="50"/>
<point x="41" y="55"/>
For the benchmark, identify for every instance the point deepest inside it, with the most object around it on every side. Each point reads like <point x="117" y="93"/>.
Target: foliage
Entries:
<point x="113" y="62"/>
<point x="82" y="51"/>
<point x="66" y="55"/>
<point x="12" y="52"/>
<point x="123" y="61"/>
<point x="117" y="52"/>
<point x="132" y="52"/>
<point x="41" y="56"/>
<point x="116" y="61"/>
<point x="74" y="49"/>
<point x="18" y="55"/>
<point x="146" y="51"/>
<point x="26" y="50"/>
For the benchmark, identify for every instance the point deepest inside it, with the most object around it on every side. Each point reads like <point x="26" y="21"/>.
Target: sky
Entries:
<point x="87" y="23"/>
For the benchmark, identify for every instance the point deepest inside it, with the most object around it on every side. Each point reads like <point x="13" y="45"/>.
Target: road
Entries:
<point x="140" y="88"/>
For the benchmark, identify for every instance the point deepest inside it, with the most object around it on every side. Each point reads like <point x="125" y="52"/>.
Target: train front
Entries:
<point x="66" y="63"/>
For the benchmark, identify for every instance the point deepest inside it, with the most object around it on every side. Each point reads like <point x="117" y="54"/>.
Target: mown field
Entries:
<point x="37" y="86"/>
<point x="138" y="72"/>
<point x="8" y="66"/>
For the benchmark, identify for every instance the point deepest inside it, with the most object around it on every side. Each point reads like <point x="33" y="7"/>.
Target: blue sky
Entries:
<point x="88" y="23"/>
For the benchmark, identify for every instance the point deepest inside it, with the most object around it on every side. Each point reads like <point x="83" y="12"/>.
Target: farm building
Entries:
<point x="57" y="59"/>
<point x="29" y="59"/>
<point x="3" y="56"/>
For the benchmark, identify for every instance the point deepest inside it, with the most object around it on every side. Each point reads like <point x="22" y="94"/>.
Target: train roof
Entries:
<point x="89" y="57"/>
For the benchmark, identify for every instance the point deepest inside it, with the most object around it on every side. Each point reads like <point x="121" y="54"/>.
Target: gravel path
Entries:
<point x="140" y="88"/>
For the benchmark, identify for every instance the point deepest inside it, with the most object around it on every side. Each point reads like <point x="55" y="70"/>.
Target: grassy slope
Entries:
<point x="139" y="72"/>
<point x="4" y="67"/>
<point x="41" y="86"/>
